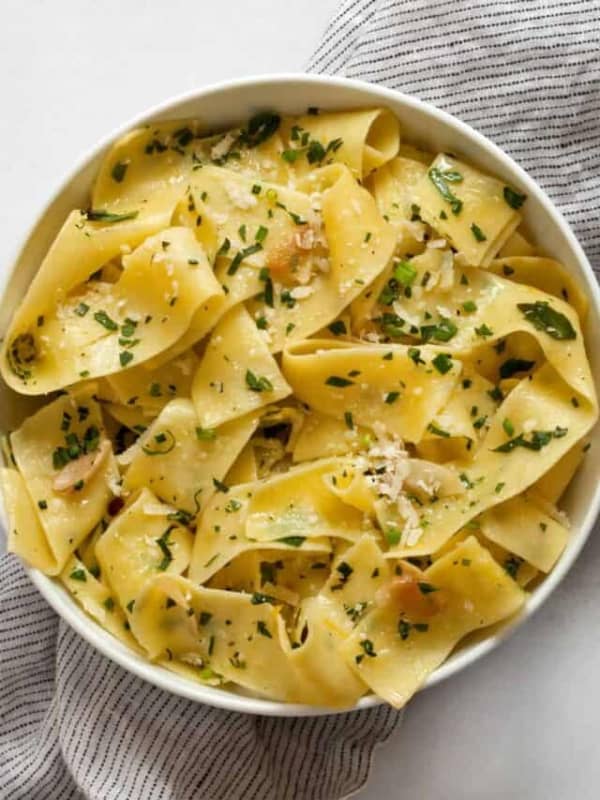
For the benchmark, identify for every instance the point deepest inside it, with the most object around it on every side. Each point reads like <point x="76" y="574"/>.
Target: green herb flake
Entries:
<point x="339" y="382"/>
<point x="442" y="332"/>
<point x="338" y="328"/>
<point x="368" y="647"/>
<point x="119" y="171"/>
<point x="442" y="362"/>
<point x="512" y="565"/>
<point x="432" y="428"/>
<point x="241" y="255"/>
<point x="261" y="234"/>
<point x="393" y="535"/>
<point x="536" y="441"/>
<point x="513" y="198"/>
<point x="82" y="309"/>
<point x="205" y="434"/>
<point x="220" y="486"/>
<point x="262" y="629"/>
<point x="440" y="180"/>
<point x="513" y="365"/>
<point x="483" y="331"/>
<point x="292" y="541"/>
<point x="102" y="215"/>
<point x="258" y="383"/>
<point x="508" y="427"/>
<point x="164" y="545"/>
<point x="405" y="273"/>
<point x="545" y="318"/>
<point x="478" y="233"/>
<point x="344" y="571"/>
<point x="258" y="598"/>
<point x="106" y="322"/>
<point x="415" y="355"/>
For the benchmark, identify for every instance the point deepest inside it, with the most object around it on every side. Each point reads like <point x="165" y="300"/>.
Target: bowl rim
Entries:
<point x="105" y="643"/>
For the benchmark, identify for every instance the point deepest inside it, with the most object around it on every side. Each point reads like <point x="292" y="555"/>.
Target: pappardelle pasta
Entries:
<point x="309" y="400"/>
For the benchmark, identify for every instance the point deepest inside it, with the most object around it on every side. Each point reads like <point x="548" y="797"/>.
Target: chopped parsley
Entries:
<point x="508" y="427"/>
<point x="440" y="180"/>
<point x="442" y="362"/>
<point x="513" y="198"/>
<point x="545" y="318"/>
<point x="432" y="428"/>
<point x="205" y="434"/>
<point x="164" y="545"/>
<point x="262" y="629"/>
<point x="338" y="328"/>
<point x="536" y="441"/>
<point x="119" y="170"/>
<point x="478" y="233"/>
<point x="260" y="128"/>
<point x="415" y="355"/>
<point x="393" y="535"/>
<point x="336" y="380"/>
<point x="484" y="331"/>
<point x="258" y="383"/>
<point x="405" y="273"/>
<point x="368" y="647"/>
<point x="101" y="215"/>
<point x="261" y="234"/>
<point x="292" y="541"/>
<point x="241" y="255"/>
<point x="344" y="571"/>
<point x="106" y="322"/>
<point x="443" y="331"/>
<point x="514" y="365"/>
<point x="512" y="565"/>
<point x="258" y="598"/>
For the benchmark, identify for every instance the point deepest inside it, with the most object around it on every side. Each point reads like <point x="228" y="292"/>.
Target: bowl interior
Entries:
<point x="219" y="107"/>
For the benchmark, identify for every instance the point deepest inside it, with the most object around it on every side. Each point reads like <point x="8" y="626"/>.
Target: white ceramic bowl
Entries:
<point x="228" y="103"/>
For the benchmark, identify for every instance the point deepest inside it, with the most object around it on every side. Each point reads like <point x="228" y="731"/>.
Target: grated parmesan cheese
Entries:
<point x="223" y="146"/>
<point x="240" y="198"/>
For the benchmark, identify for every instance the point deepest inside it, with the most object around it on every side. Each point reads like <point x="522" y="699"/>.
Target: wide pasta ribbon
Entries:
<point x="100" y="327"/>
<point x="392" y="385"/>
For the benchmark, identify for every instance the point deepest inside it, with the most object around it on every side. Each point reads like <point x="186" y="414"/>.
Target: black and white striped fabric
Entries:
<point x="74" y="725"/>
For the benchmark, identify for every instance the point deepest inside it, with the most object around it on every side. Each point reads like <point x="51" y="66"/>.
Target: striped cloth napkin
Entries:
<point x="73" y="725"/>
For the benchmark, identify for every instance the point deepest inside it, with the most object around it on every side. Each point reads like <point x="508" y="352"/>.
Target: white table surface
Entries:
<point x="525" y="721"/>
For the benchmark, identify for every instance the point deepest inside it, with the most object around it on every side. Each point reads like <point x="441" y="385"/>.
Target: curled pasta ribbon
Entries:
<point x="100" y="327"/>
